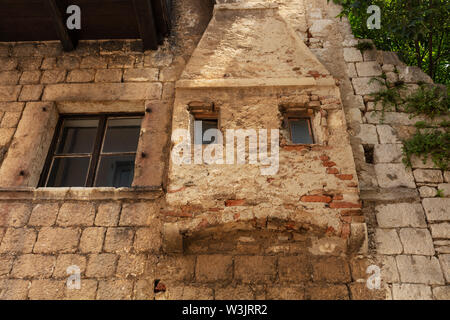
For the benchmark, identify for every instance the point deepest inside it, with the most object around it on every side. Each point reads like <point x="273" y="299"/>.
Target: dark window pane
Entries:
<point x="115" y="171"/>
<point x="200" y="127"/>
<point x="122" y="135"/>
<point x="300" y="132"/>
<point x="68" y="172"/>
<point x="77" y="136"/>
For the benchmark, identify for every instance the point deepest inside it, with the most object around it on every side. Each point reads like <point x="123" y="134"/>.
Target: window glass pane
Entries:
<point x="68" y="172"/>
<point x="122" y="135"/>
<point x="200" y="127"/>
<point x="77" y="136"/>
<point x="115" y="171"/>
<point x="300" y="132"/>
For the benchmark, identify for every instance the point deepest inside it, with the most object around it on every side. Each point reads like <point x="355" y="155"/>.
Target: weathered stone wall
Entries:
<point x="115" y="238"/>
<point x="186" y="235"/>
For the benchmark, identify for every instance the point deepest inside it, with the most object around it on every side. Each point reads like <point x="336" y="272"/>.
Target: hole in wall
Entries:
<point x="368" y="152"/>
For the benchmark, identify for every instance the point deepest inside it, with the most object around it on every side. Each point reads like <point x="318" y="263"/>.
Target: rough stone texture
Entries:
<point x="437" y="209"/>
<point x="411" y="292"/>
<point x="420" y="269"/>
<point x="416" y="241"/>
<point x="76" y="214"/>
<point x="394" y="175"/>
<point x="388" y="153"/>
<point x="400" y="215"/>
<point x="223" y="242"/>
<point x="433" y="176"/>
<point x="388" y="241"/>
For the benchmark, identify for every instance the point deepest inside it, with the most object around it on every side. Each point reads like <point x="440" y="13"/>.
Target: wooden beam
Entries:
<point x="67" y="41"/>
<point x="162" y="16"/>
<point x="146" y="24"/>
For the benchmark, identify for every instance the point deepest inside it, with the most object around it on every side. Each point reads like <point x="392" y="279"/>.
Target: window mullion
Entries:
<point x="96" y="153"/>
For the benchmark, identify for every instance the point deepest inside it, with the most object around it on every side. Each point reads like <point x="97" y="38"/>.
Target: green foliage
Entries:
<point x="440" y="193"/>
<point x="389" y="97"/>
<point x="429" y="100"/>
<point x="417" y="29"/>
<point x="364" y="46"/>
<point x="432" y="143"/>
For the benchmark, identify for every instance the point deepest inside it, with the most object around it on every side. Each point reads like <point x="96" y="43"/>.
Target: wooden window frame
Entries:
<point x="308" y="121"/>
<point x="98" y="144"/>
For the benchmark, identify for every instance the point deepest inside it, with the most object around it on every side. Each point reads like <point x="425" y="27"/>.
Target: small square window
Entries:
<point x="300" y="131"/>
<point x="92" y="151"/>
<point x="201" y="127"/>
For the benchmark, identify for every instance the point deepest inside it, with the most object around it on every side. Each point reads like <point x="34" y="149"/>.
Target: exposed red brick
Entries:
<point x="176" y="190"/>
<point x="338" y="205"/>
<point x="314" y="73"/>
<point x="160" y="287"/>
<point x="345" y="233"/>
<point x="351" y="212"/>
<point x="345" y="176"/>
<point x="204" y="223"/>
<point x="358" y="219"/>
<point x="346" y="219"/>
<point x="332" y="171"/>
<point x="324" y="158"/>
<point x="236" y="216"/>
<point x="338" y="197"/>
<point x="269" y="180"/>
<point x="352" y="185"/>
<point x="234" y="203"/>
<point x="328" y="164"/>
<point x="178" y="214"/>
<point x="215" y="209"/>
<point x="317" y="198"/>
<point x="294" y="148"/>
<point x="330" y="231"/>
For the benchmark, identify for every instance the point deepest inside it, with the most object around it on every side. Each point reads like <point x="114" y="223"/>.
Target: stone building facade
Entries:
<point x="309" y="230"/>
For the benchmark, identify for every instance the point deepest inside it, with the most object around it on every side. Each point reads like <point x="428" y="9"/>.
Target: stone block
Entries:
<point x="387" y="241"/>
<point x="416" y="241"/>
<point x="101" y="265"/>
<point x="408" y="291"/>
<point x="368" y="69"/>
<point x="102" y="91"/>
<point x="44" y="214"/>
<point x="430" y="176"/>
<point x="81" y="75"/>
<point x="387" y="134"/>
<point x="400" y="215"/>
<point x="13" y="214"/>
<point x="141" y="75"/>
<point x="294" y="268"/>
<point x="388" y="153"/>
<point x="253" y="269"/>
<point x="119" y="240"/>
<point x="51" y="240"/>
<point x="109" y="75"/>
<point x="419" y="269"/>
<point x="18" y="240"/>
<point x="352" y="55"/>
<point x="436" y="209"/>
<point x="47" y="290"/>
<point x="92" y="240"/>
<point x="76" y="214"/>
<point x="108" y="214"/>
<point x="394" y="175"/>
<point x="365" y="86"/>
<point x="33" y="266"/>
<point x="212" y="268"/>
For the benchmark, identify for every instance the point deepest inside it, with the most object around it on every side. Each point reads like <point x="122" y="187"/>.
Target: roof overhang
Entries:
<point x="41" y="20"/>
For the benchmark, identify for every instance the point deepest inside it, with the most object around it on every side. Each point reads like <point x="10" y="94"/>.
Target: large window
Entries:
<point x="93" y="151"/>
